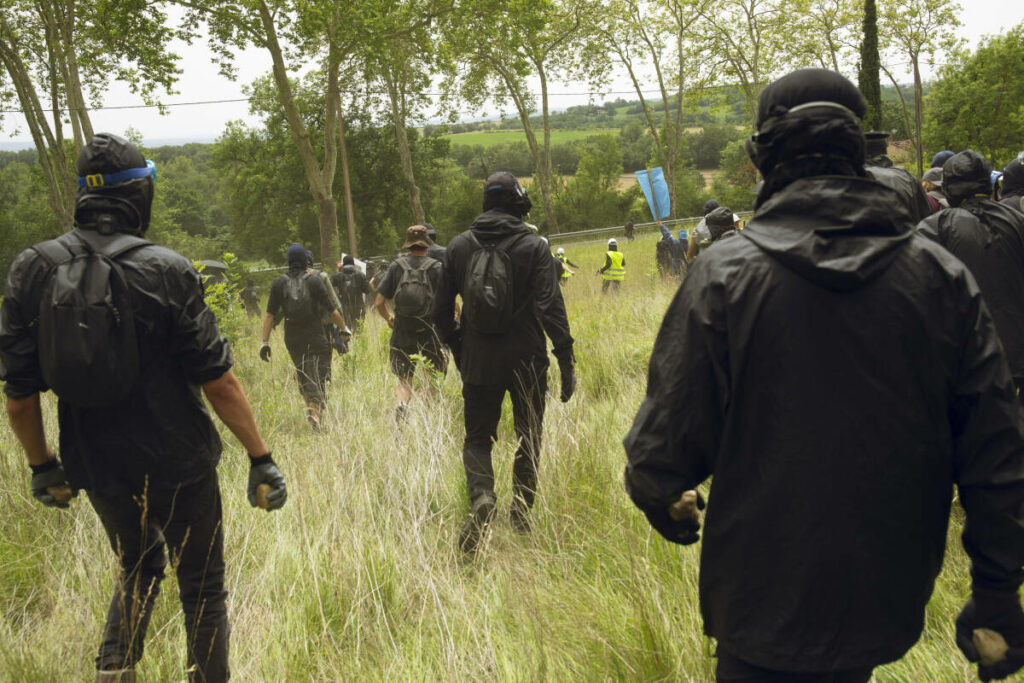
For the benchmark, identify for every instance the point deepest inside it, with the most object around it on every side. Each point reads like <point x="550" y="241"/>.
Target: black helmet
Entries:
<point x="115" y="186"/>
<point x="503" y="192"/>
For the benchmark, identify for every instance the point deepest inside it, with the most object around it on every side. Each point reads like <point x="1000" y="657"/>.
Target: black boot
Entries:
<point x="475" y="528"/>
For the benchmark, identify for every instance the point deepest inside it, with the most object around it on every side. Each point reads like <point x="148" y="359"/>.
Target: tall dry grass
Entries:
<point x="358" y="578"/>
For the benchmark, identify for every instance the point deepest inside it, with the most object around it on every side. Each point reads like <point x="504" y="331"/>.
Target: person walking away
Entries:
<point x="881" y="169"/>
<point x="701" y="236"/>
<point x="1012" y="184"/>
<point x="134" y="433"/>
<point x="614" y="270"/>
<point x="301" y="299"/>
<point x="721" y="224"/>
<point x="565" y="273"/>
<point x="629" y="230"/>
<point x="351" y="288"/>
<point x="931" y="183"/>
<point x="436" y="251"/>
<point x="825" y="344"/>
<point x="510" y="299"/>
<point x="677" y="247"/>
<point x="988" y="237"/>
<point x="250" y="299"/>
<point x="382" y="269"/>
<point x="412" y="282"/>
<point x="334" y="337"/>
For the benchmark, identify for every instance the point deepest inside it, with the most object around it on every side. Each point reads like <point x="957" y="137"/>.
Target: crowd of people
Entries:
<point x="839" y="367"/>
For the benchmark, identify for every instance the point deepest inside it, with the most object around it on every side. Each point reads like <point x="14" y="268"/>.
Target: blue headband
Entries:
<point x="102" y="179"/>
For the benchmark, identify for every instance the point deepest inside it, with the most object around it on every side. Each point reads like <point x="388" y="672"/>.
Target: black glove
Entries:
<point x="339" y="342"/>
<point x="999" y="612"/>
<point x="567" y="367"/>
<point x="262" y="470"/>
<point x="265" y="352"/>
<point x="51" y="475"/>
<point x="683" y="532"/>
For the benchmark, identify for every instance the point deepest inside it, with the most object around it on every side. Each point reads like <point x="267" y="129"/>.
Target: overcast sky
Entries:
<point x="201" y="82"/>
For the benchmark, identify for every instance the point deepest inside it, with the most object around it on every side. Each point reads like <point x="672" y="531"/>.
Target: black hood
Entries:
<point x="1013" y="178"/>
<point x="497" y="222"/>
<point x="836" y="231"/>
<point x="966" y="175"/>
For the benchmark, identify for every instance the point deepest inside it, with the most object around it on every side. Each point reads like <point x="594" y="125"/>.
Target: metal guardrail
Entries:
<point x="575" y="236"/>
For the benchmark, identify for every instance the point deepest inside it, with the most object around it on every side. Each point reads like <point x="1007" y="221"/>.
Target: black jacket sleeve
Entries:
<point x="987" y="426"/>
<point x="550" y="304"/>
<point x="444" y="306"/>
<point x="194" y="339"/>
<point x="675" y="436"/>
<point x="19" y="358"/>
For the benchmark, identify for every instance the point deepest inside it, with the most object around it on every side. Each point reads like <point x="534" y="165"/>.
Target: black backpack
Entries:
<point x="298" y="300"/>
<point x="488" y="296"/>
<point x="414" y="295"/>
<point x="88" y="350"/>
<point x="348" y="290"/>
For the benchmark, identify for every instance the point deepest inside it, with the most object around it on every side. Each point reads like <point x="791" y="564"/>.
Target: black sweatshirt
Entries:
<point x="838" y="375"/>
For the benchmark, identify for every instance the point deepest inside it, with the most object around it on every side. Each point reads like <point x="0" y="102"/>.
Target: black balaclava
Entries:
<point x="876" y="149"/>
<point x="719" y="222"/>
<point x="1013" y="178"/>
<point x="808" y="125"/>
<point x="966" y="175"/>
<point x="710" y="205"/>
<point x="503" y="192"/>
<point x="296" y="256"/>
<point x="348" y="260"/>
<point x="122" y="207"/>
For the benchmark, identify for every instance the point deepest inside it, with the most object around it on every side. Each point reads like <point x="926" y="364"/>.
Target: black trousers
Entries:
<point x="482" y="414"/>
<point x="732" y="669"/>
<point x="143" y="529"/>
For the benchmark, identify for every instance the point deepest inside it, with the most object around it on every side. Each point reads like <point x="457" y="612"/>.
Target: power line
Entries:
<point x="250" y="99"/>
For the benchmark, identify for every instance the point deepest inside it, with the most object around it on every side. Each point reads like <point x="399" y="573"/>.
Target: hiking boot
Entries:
<point x="401" y="412"/>
<point x="475" y="528"/>
<point x="520" y="516"/>
<point x="116" y="676"/>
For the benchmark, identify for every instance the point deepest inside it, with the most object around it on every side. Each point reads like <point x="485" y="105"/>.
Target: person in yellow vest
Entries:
<point x="614" y="271"/>
<point x="562" y="266"/>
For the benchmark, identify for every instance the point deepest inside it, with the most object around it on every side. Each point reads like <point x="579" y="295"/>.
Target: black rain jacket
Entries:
<point x="989" y="238"/>
<point x="162" y="431"/>
<point x="494" y="359"/>
<point x="837" y="374"/>
<point x="910" y="191"/>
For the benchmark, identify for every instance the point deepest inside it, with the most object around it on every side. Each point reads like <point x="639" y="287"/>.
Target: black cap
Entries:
<point x="348" y="260"/>
<point x="1013" y="177"/>
<point x="710" y="205"/>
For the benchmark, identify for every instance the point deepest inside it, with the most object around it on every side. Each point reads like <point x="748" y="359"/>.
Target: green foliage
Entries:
<point x="591" y="200"/>
<point x="979" y="102"/>
<point x="868" y="78"/>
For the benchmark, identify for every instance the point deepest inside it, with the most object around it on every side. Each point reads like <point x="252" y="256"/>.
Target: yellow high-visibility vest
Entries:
<point x="565" y="271"/>
<point x="617" y="271"/>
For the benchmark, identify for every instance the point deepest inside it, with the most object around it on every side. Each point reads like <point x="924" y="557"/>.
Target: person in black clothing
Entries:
<point x="375" y="279"/>
<point x="302" y="299"/>
<point x="514" y="361"/>
<point x="837" y="374"/>
<point x="352" y="288"/>
<point x="629" y="230"/>
<point x="1011" y="191"/>
<point x="989" y="238"/>
<point x="435" y="251"/>
<point x="881" y="169"/>
<point x="720" y="224"/>
<point x="147" y="461"/>
<point x="413" y="330"/>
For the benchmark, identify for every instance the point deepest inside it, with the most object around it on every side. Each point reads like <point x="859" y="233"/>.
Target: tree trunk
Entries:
<point x="327" y="214"/>
<point x="868" y="79"/>
<point x="404" y="154"/>
<point x="349" y="209"/>
<point x="548" y="175"/>
<point x="918" y="117"/>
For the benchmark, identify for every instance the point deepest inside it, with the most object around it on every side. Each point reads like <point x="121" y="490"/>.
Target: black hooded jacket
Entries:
<point x="494" y="359"/>
<point x="989" y="238"/>
<point x="161" y="435"/>
<point x="906" y="186"/>
<point x="838" y="375"/>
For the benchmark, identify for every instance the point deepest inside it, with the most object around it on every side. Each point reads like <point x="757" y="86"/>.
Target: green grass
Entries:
<point x="357" y="578"/>
<point x="500" y="137"/>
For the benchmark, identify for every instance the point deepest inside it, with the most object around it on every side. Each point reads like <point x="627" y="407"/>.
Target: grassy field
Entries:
<point x="357" y="578"/>
<point x="500" y="137"/>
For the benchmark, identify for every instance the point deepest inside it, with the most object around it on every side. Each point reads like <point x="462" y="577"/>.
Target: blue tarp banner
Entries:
<point x="660" y="192"/>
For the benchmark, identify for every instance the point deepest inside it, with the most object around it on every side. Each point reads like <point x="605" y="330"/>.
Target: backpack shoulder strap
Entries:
<point x="403" y="262"/>
<point x="54" y="252"/>
<point x="120" y="244"/>
<point x="507" y="243"/>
